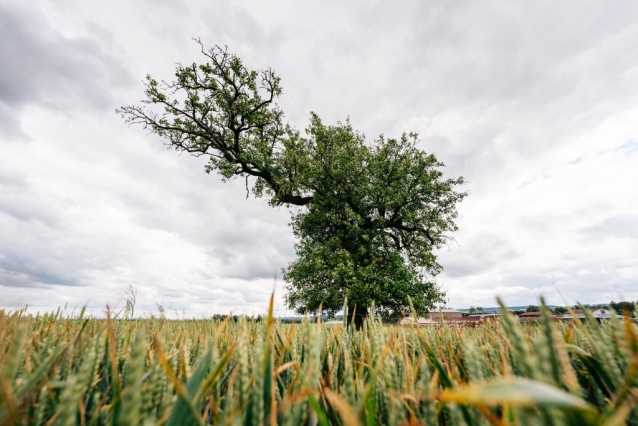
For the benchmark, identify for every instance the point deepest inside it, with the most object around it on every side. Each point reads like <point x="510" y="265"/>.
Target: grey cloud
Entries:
<point x="618" y="227"/>
<point x="249" y="239"/>
<point x="10" y="123"/>
<point x="42" y="67"/>
<point x="587" y="279"/>
<point x="255" y="297"/>
<point x="243" y="29"/>
<point x="170" y="293"/>
<point x="482" y="252"/>
<point x="21" y="272"/>
<point x="498" y="91"/>
<point x="518" y="79"/>
<point x="529" y="281"/>
<point x="21" y="201"/>
<point x="12" y="179"/>
<point x="24" y="205"/>
<point x="537" y="52"/>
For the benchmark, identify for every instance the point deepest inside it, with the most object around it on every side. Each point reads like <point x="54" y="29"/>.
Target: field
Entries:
<point x="90" y="371"/>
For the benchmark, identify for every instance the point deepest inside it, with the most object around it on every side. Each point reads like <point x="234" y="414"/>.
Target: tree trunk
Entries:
<point x="360" y="315"/>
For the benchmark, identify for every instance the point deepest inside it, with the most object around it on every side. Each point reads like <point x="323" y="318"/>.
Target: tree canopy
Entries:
<point x="369" y="215"/>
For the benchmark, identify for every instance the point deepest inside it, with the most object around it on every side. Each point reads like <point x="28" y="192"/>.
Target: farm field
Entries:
<point x="90" y="371"/>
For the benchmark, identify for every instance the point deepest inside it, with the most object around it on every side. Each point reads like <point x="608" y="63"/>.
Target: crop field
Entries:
<point x="89" y="371"/>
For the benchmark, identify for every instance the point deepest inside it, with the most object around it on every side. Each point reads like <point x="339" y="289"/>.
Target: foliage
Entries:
<point x="359" y="238"/>
<point x="477" y="310"/>
<point x="57" y="370"/>
<point x="368" y="215"/>
<point x="591" y="306"/>
<point x="622" y="308"/>
<point x="532" y="308"/>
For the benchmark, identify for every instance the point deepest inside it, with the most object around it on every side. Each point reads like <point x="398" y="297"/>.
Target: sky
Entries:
<point x="534" y="103"/>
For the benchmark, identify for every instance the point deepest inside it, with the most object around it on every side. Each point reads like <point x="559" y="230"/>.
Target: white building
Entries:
<point x="598" y="313"/>
<point x="432" y="318"/>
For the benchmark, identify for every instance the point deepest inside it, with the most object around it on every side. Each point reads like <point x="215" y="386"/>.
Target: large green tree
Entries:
<point x="368" y="216"/>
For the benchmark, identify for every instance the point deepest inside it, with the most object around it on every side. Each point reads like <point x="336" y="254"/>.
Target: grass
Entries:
<point x="90" y="371"/>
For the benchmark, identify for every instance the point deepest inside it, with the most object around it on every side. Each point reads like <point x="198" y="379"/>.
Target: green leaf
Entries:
<point x="316" y="407"/>
<point x="514" y="391"/>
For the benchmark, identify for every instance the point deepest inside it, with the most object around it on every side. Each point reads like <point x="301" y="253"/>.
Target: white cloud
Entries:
<point x="534" y="104"/>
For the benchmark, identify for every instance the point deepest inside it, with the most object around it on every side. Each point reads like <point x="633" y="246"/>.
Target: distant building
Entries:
<point x="579" y="313"/>
<point x="447" y="313"/>
<point x="530" y="315"/>
<point x="433" y="318"/>
<point x="534" y="316"/>
<point x="598" y="313"/>
<point x="481" y="318"/>
<point x="409" y="319"/>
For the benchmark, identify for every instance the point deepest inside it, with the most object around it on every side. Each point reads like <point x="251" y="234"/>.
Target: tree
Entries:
<point x="532" y="308"/>
<point x="623" y="308"/>
<point x="367" y="216"/>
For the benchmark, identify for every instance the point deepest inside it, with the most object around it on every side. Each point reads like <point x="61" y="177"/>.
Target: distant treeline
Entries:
<point x="621" y="308"/>
<point x="283" y="320"/>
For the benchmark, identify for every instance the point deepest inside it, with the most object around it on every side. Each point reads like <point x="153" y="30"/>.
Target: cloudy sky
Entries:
<point x="534" y="103"/>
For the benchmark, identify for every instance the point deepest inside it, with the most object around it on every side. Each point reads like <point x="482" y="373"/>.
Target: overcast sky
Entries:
<point x="534" y="103"/>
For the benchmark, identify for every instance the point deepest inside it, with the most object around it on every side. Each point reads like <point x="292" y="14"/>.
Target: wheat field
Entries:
<point x="90" y="371"/>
